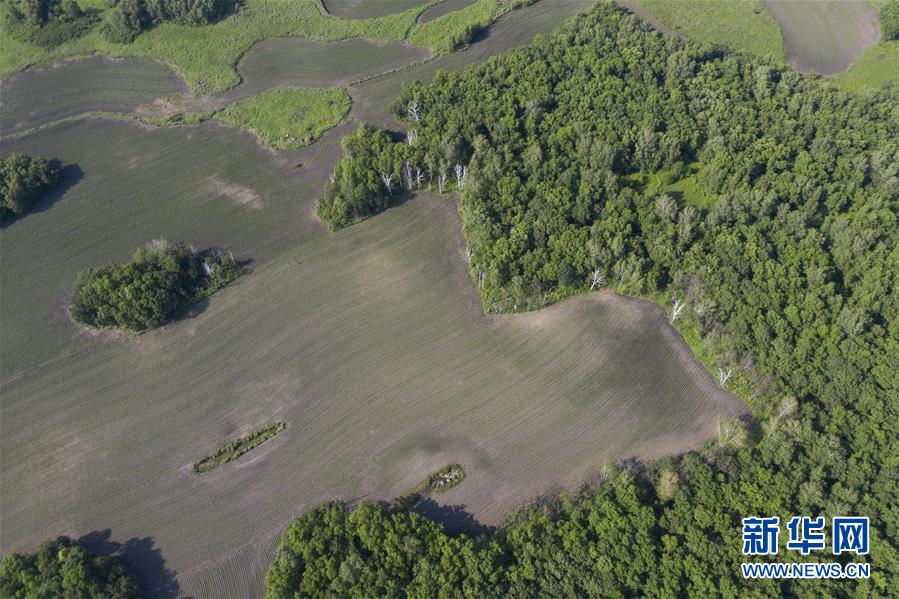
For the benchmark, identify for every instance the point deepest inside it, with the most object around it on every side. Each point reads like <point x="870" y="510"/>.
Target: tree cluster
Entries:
<point x="573" y="156"/>
<point x="126" y="19"/>
<point x="155" y="286"/>
<point x="60" y="568"/>
<point x="889" y="20"/>
<point x="23" y="180"/>
<point x="47" y="23"/>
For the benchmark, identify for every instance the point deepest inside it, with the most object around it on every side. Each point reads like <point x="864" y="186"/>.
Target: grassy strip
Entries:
<point x="238" y="447"/>
<point x="455" y="30"/>
<point x="288" y="118"/>
<point x="739" y="24"/>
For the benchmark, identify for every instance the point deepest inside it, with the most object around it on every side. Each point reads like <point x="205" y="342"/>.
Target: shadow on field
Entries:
<point x="69" y="175"/>
<point x="455" y="519"/>
<point x="141" y="558"/>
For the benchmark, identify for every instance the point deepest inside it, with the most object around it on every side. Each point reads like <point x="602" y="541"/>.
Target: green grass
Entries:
<point x="876" y="66"/>
<point x="288" y="118"/>
<point x="441" y="33"/>
<point x="233" y="450"/>
<point x="743" y="25"/>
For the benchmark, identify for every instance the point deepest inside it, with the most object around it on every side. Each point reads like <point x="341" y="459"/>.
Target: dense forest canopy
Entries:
<point x="760" y="202"/>
<point x="23" y="179"/>
<point x="158" y="284"/>
<point x="60" y="568"/>
<point x="128" y="18"/>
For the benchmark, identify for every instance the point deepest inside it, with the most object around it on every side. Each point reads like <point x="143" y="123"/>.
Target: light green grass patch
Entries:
<point x="446" y="33"/>
<point x="877" y="65"/>
<point x="288" y="117"/>
<point x="739" y="24"/>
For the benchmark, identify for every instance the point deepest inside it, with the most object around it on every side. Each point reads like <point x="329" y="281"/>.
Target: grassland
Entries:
<point x="876" y="66"/>
<point x="739" y="24"/>
<point x="288" y="118"/>
<point x="824" y="36"/>
<point x="206" y="56"/>
<point x="367" y="9"/>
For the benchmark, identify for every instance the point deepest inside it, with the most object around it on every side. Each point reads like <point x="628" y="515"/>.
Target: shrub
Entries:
<point x="22" y="181"/>
<point x="60" y="568"/>
<point x="128" y="18"/>
<point x="158" y="284"/>
<point x="47" y="23"/>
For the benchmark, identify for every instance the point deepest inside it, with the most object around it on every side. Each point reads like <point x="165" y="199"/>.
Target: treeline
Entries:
<point x="889" y="20"/>
<point x="155" y="286"/>
<point x="23" y="180"/>
<point x="127" y="19"/>
<point x="60" y="568"/>
<point x="47" y="23"/>
<point x="762" y="205"/>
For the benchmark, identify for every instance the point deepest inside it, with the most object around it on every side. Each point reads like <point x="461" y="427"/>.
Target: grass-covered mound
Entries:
<point x="23" y="180"/>
<point x="288" y="117"/>
<point x="60" y="568"/>
<point x="233" y="450"/>
<point x="158" y="284"/>
<point x="446" y="478"/>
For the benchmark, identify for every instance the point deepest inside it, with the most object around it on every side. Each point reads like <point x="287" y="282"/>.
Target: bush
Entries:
<point x="155" y="286"/>
<point x="22" y="181"/>
<point x="47" y="23"/>
<point x="889" y="21"/>
<point x="60" y="568"/>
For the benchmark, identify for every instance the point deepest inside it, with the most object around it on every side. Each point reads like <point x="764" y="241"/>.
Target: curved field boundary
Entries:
<point x="825" y="36"/>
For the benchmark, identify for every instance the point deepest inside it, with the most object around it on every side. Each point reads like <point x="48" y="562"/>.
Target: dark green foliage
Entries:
<point x="446" y="478"/>
<point x="786" y="256"/>
<point x="889" y="20"/>
<point x="62" y="569"/>
<point x="358" y="189"/>
<point x="238" y="447"/>
<point x="128" y="18"/>
<point x="155" y="286"/>
<point x="373" y="552"/>
<point x="47" y="23"/>
<point x="22" y="181"/>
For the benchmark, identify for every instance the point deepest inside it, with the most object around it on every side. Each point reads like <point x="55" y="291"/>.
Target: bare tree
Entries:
<point x="411" y="136"/>
<point x="787" y="407"/>
<point x="458" y="170"/>
<point x="387" y="178"/>
<point x="207" y="269"/>
<point x="677" y="307"/>
<point x="331" y="177"/>
<point x="419" y="177"/>
<point x="703" y="308"/>
<point x="413" y="111"/>
<point x="480" y="278"/>
<point x="596" y="278"/>
<point x="724" y="375"/>
<point x="407" y="175"/>
<point x="441" y="182"/>
<point x="467" y="255"/>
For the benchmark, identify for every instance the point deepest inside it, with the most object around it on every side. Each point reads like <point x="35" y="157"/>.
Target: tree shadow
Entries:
<point x="456" y="520"/>
<point x="142" y="560"/>
<point x="69" y="175"/>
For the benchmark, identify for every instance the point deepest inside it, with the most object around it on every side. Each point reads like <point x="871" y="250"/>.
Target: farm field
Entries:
<point x="373" y="348"/>
<point x="825" y="36"/>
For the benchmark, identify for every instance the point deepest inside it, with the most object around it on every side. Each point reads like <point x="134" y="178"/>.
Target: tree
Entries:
<point x="23" y="180"/>
<point x="60" y="568"/>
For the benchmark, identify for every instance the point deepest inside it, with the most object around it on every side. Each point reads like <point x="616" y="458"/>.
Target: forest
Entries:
<point x="158" y="284"/>
<point x="758" y="204"/>
<point x="23" y="179"/>
<point x="62" y="568"/>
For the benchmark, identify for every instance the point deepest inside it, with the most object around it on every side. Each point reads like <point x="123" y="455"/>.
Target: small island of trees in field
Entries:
<point x="238" y="447"/>
<point x="23" y="180"/>
<point x="61" y="568"/>
<point x="158" y="284"/>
